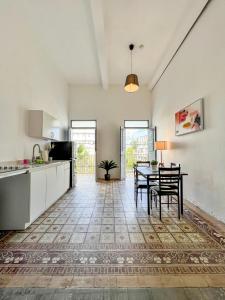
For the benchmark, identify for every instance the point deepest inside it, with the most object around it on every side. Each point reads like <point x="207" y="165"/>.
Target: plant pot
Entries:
<point x="107" y="176"/>
<point x="154" y="167"/>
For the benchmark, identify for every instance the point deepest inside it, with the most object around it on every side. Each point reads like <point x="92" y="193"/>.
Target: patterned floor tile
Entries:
<point x="173" y="246"/>
<point x="62" y="238"/>
<point x="60" y="221"/>
<point x="122" y="237"/>
<point x="94" y="228"/>
<point x="121" y="228"/>
<point x="136" y="237"/>
<point x="120" y="221"/>
<point x="107" y="238"/>
<point x="196" y="237"/>
<point x="92" y="237"/>
<point x="151" y="237"/>
<point x="48" y="221"/>
<point x="41" y="228"/>
<point x="187" y="228"/>
<point x="143" y="221"/>
<point x="83" y="221"/>
<point x="147" y="228"/>
<point x="173" y="228"/>
<point x="166" y="237"/>
<point x="181" y="237"/>
<point x="33" y="238"/>
<point x="47" y="238"/>
<point x="81" y="228"/>
<point x="160" y="228"/>
<point x="107" y="228"/>
<point x="54" y="228"/>
<point x="108" y="221"/>
<point x="78" y="237"/>
<point x="18" y="237"/>
<point x="134" y="228"/>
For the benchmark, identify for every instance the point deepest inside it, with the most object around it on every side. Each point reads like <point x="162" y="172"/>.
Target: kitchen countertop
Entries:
<point x="32" y="168"/>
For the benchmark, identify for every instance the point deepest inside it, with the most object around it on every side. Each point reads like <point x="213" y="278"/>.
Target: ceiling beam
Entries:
<point x="99" y="32"/>
<point x="192" y="14"/>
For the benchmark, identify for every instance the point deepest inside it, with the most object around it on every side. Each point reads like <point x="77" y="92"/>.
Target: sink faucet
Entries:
<point x="39" y="148"/>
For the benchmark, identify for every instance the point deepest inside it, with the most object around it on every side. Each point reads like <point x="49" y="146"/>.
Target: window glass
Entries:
<point x="83" y="124"/>
<point x="136" y="124"/>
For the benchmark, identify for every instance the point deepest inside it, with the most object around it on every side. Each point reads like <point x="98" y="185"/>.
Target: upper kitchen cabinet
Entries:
<point x="42" y="125"/>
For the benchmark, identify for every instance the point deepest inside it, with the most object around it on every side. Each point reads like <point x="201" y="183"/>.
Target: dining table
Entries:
<point x="150" y="174"/>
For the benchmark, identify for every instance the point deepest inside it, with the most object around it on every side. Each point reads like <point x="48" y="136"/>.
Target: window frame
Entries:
<point x="141" y="127"/>
<point x="71" y="122"/>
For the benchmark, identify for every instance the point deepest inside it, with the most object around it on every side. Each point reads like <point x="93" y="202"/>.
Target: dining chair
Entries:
<point x="140" y="183"/>
<point x="169" y="179"/>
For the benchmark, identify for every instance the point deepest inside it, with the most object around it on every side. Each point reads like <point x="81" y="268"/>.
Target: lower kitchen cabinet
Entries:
<point x="37" y="194"/>
<point x="25" y="197"/>
<point x="47" y="186"/>
<point x="51" y="188"/>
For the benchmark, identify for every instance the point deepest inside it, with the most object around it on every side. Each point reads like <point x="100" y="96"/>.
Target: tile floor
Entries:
<point x="106" y="214"/>
<point x="94" y="236"/>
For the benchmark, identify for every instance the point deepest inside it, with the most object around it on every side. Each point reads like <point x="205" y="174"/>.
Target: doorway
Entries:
<point x="137" y="144"/>
<point x="83" y="134"/>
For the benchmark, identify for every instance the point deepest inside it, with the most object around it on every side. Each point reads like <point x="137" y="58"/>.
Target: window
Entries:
<point x="83" y="124"/>
<point x="136" y="124"/>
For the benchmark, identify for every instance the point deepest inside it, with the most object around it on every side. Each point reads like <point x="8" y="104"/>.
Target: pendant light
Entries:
<point x="131" y="84"/>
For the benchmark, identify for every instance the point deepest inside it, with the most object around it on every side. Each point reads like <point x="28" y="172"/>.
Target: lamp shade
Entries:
<point x="161" y="145"/>
<point x="131" y="84"/>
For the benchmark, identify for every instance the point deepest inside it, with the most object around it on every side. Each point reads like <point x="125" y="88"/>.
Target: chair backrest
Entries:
<point x="143" y="163"/>
<point x="169" y="178"/>
<point x="173" y="165"/>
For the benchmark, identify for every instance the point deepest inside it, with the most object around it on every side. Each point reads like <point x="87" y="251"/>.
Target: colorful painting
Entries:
<point x="190" y="118"/>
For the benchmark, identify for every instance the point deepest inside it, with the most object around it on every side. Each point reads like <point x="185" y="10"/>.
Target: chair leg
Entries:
<point x="178" y="204"/>
<point x="141" y="194"/>
<point x="160" y="208"/>
<point x="151" y="198"/>
<point x="136" y="196"/>
<point x="168" y="202"/>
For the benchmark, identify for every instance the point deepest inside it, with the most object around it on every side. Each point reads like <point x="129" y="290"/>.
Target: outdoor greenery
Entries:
<point x="85" y="161"/>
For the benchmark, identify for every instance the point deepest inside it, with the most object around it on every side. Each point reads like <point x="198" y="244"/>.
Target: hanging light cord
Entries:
<point x="131" y="61"/>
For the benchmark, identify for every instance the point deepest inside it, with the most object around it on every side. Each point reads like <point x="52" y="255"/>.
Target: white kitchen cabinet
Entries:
<point x="60" y="181"/>
<point x="66" y="177"/>
<point x="51" y="193"/>
<point x="42" y="125"/>
<point x="25" y="197"/>
<point x="37" y="194"/>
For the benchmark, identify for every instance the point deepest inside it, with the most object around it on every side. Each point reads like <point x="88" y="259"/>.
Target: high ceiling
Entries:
<point x="88" y="39"/>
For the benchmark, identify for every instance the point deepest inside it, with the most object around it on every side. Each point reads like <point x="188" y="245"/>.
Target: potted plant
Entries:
<point x="154" y="164"/>
<point x="107" y="165"/>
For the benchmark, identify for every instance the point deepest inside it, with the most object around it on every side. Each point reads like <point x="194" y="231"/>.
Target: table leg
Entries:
<point x="181" y="195"/>
<point x="148" y="200"/>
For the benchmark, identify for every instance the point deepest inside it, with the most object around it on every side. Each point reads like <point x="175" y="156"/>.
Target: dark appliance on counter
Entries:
<point x="65" y="151"/>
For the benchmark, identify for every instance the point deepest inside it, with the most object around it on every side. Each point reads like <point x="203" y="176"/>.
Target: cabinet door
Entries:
<point x="60" y="180"/>
<point x="66" y="177"/>
<point x="37" y="194"/>
<point x="51" y="189"/>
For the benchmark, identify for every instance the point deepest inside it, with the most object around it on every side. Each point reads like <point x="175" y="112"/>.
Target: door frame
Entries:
<point x="95" y="128"/>
<point x="122" y="142"/>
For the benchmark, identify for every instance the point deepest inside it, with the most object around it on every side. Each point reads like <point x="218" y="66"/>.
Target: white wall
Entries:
<point x="28" y="80"/>
<point x="198" y="70"/>
<point x="110" y="108"/>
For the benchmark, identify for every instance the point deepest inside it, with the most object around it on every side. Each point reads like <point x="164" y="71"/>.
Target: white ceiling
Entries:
<point x="88" y="39"/>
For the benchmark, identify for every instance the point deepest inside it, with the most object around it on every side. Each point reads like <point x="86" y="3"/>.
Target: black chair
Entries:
<point x="140" y="183"/>
<point x="169" y="179"/>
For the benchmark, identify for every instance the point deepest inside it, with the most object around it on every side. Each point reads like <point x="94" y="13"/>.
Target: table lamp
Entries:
<point x="161" y="145"/>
